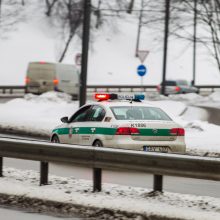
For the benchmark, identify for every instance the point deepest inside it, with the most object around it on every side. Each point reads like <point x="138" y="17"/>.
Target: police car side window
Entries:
<point x="81" y="115"/>
<point x="97" y="113"/>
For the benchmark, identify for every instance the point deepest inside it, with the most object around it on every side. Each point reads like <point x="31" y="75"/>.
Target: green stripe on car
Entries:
<point x="112" y="131"/>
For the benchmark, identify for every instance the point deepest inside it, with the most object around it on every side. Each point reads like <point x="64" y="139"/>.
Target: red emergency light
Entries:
<point x="102" y="97"/>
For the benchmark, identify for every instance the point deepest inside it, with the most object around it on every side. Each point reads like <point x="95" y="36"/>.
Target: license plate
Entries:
<point x="156" y="149"/>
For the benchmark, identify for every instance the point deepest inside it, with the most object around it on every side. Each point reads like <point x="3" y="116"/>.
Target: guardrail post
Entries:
<point x="97" y="179"/>
<point x="1" y="166"/>
<point x="158" y="183"/>
<point x="43" y="173"/>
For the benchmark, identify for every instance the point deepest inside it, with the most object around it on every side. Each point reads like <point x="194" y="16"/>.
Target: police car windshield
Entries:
<point x="139" y="113"/>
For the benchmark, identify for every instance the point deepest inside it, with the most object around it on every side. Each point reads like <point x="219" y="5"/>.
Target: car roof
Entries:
<point x="111" y="103"/>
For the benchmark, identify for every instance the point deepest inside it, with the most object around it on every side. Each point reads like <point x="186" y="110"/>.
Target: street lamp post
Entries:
<point x="85" y="49"/>
<point x="194" y="42"/>
<point x="166" y="34"/>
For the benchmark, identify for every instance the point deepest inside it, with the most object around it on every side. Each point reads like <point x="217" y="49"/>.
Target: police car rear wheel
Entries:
<point x="98" y="144"/>
<point x="55" y="139"/>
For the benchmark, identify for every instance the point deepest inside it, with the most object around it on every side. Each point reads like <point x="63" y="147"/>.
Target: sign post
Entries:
<point x="141" y="71"/>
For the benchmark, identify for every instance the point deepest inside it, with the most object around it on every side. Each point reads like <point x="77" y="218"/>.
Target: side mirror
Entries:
<point x="64" y="119"/>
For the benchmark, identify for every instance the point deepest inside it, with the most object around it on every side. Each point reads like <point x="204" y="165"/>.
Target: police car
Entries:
<point x="121" y="121"/>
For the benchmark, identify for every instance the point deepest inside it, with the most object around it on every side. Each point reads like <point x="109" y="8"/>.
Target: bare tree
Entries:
<point x="10" y="15"/>
<point x="208" y="20"/>
<point x="0" y="8"/>
<point x="69" y="15"/>
<point x="49" y="5"/>
<point x="181" y="22"/>
<point x="98" y="14"/>
<point x="211" y="19"/>
<point x="130" y="6"/>
<point x="105" y="10"/>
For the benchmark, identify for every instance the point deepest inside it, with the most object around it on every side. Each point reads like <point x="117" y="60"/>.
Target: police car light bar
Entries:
<point x="102" y="97"/>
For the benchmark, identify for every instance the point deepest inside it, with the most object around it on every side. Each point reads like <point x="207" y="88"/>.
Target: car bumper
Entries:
<point x="177" y="146"/>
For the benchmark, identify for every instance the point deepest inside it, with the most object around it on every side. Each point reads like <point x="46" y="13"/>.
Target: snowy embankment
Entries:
<point x="38" y="115"/>
<point x="114" y="202"/>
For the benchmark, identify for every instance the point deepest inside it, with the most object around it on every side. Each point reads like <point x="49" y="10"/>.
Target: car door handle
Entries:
<point x="93" y="130"/>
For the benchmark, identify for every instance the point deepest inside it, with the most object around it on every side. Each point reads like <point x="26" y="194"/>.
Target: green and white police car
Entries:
<point x="121" y="121"/>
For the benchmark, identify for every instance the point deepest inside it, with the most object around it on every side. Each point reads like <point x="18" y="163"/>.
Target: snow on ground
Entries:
<point x="113" y="197"/>
<point x="36" y="114"/>
<point x="40" y="114"/>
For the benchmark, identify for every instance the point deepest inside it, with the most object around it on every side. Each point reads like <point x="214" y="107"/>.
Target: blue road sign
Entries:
<point x="141" y="70"/>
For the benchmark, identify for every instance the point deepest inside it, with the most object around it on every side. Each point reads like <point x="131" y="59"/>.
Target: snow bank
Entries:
<point x="186" y="97"/>
<point x="56" y="97"/>
<point x="215" y="96"/>
<point x="173" y="108"/>
<point x="113" y="197"/>
<point x="36" y="114"/>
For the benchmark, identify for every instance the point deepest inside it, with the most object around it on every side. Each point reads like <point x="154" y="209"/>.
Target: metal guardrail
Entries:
<point x="112" y="88"/>
<point x="158" y="164"/>
<point x="11" y="89"/>
<point x="121" y="88"/>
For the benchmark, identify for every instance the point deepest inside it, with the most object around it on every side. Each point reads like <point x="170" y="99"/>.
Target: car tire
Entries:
<point x="55" y="139"/>
<point x="97" y="143"/>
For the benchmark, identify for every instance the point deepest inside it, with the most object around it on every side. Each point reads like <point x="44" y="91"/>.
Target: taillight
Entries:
<point x="127" y="131"/>
<point x="55" y="82"/>
<point x="158" y="88"/>
<point x="177" y="88"/>
<point x="177" y="132"/>
<point x="27" y="80"/>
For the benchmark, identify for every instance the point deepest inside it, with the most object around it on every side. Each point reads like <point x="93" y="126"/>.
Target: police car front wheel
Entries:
<point x="97" y="144"/>
<point x="55" y="139"/>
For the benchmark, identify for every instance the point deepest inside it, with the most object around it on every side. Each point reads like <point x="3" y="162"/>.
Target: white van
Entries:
<point x="43" y="76"/>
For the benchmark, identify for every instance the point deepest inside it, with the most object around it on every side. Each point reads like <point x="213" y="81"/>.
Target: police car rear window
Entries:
<point x="170" y="83"/>
<point x="139" y="113"/>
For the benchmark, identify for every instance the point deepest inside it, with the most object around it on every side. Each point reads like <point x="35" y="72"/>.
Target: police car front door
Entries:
<point x="73" y="136"/>
<point x="88" y="128"/>
<point x="76" y="123"/>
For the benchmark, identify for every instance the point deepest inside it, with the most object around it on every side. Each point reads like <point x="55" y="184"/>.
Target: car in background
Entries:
<point x="177" y="87"/>
<point x="125" y="122"/>
<point x="44" y="76"/>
